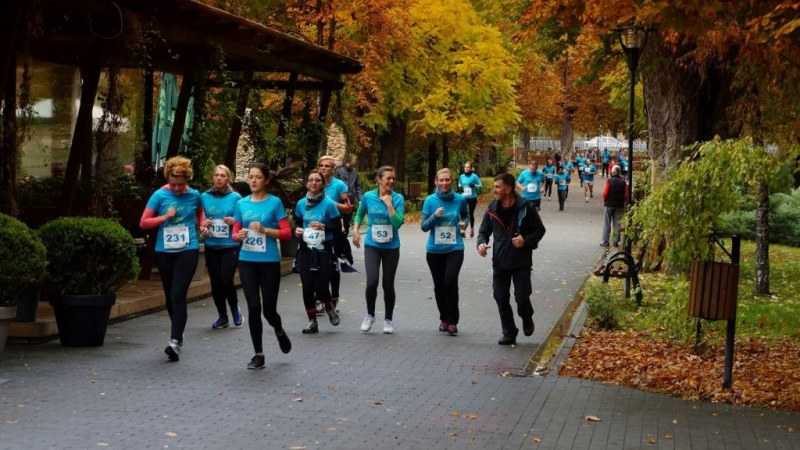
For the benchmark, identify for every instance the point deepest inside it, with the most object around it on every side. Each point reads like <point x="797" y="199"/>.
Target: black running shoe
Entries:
<point x="256" y="363"/>
<point x="284" y="342"/>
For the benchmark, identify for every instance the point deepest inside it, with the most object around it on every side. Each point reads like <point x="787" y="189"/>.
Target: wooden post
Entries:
<point x="180" y="113"/>
<point x="144" y="162"/>
<point x="8" y="39"/>
<point x="236" y="127"/>
<point x="324" y="104"/>
<point x="286" y="115"/>
<point x="82" y="138"/>
<point x="8" y="168"/>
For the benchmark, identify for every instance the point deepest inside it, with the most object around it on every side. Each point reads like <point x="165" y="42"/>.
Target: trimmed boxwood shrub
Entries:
<point x="88" y="255"/>
<point x="22" y="259"/>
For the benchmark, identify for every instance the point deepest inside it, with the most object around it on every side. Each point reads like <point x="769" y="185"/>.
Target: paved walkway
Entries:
<point x="343" y="389"/>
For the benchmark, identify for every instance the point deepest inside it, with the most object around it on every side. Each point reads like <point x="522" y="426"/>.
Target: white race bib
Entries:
<point x="549" y="176"/>
<point x="533" y="187"/>
<point x="175" y="237"/>
<point x="313" y="237"/>
<point x="382" y="233"/>
<point x="467" y="190"/>
<point x="444" y="235"/>
<point x="255" y="242"/>
<point x="218" y="229"/>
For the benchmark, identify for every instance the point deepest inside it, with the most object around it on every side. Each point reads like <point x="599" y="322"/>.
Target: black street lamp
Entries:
<point x="632" y="38"/>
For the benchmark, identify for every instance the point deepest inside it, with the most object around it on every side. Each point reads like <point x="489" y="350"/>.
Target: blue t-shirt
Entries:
<point x="561" y="180"/>
<point x="549" y="172"/>
<point x="531" y="184"/>
<point x="606" y="157"/>
<point x="322" y="212"/>
<point x="259" y="247"/>
<point x="580" y="161"/>
<point x="588" y="173"/>
<point x="469" y="184"/>
<point x="179" y="233"/>
<point x="335" y="189"/>
<point x="445" y="233"/>
<point x="218" y="207"/>
<point x="569" y="167"/>
<point x="380" y="232"/>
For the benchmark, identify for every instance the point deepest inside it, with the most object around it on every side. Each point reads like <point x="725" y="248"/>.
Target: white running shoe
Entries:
<point x="173" y="350"/>
<point x="388" y="328"/>
<point x="366" y="325"/>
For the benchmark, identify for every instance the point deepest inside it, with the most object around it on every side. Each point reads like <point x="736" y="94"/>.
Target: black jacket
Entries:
<point x="526" y="223"/>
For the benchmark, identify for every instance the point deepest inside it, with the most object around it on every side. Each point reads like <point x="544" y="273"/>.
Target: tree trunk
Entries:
<point x="433" y="156"/>
<point x="568" y="108"/>
<point x="682" y="105"/>
<point x="762" y="240"/>
<point x="445" y="152"/>
<point x="525" y="145"/>
<point x="393" y="146"/>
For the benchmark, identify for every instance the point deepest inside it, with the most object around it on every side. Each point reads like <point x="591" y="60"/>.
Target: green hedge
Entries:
<point x="88" y="255"/>
<point x="22" y="259"/>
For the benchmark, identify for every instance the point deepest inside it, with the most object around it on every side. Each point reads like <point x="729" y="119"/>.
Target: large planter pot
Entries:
<point x="82" y="319"/>
<point x="28" y="303"/>
<point x="6" y="314"/>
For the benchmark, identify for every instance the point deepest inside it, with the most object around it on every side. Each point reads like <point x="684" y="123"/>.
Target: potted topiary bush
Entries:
<point x="22" y="262"/>
<point x="89" y="259"/>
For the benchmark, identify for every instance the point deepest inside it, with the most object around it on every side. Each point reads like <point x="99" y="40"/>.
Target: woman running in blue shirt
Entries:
<point x="221" y="251"/>
<point x="260" y="220"/>
<point x="316" y="219"/>
<point x="175" y="210"/>
<point x="562" y="184"/>
<point x="384" y="209"/>
<point x="549" y="171"/>
<point x="443" y="213"/>
<point x="470" y="185"/>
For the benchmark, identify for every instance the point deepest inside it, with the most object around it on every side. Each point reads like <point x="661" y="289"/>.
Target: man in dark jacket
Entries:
<point x="615" y="195"/>
<point x="347" y="172"/>
<point x="516" y="229"/>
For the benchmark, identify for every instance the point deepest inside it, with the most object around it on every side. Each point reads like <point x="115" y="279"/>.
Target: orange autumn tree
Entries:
<point x="710" y="68"/>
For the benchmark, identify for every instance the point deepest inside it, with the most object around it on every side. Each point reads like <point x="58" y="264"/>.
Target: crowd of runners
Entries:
<point x="243" y="233"/>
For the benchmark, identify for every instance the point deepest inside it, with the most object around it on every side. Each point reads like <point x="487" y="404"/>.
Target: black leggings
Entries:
<point x="445" y="268"/>
<point x="548" y="187"/>
<point x="372" y="263"/>
<point x="263" y="278"/>
<point x="221" y="263"/>
<point x="176" y="271"/>
<point x="471" y="203"/>
<point x="315" y="282"/>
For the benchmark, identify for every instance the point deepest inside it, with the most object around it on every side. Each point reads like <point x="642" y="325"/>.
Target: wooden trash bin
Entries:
<point x="714" y="289"/>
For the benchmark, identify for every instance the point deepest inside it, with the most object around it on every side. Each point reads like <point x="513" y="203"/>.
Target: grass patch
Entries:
<point x="775" y="317"/>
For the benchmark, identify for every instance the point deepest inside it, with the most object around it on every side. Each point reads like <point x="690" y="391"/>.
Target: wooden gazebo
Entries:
<point x="84" y="33"/>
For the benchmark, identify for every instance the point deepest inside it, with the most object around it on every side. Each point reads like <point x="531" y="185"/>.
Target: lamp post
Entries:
<point x="632" y="38"/>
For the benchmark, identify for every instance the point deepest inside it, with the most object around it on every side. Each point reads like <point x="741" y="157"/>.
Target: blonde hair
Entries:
<point x="178" y="166"/>
<point x="225" y="169"/>
<point x="445" y="170"/>
<point x="327" y="158"/>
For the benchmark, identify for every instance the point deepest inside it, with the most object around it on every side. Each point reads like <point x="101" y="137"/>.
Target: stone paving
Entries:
<point x="344" y="389"/>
